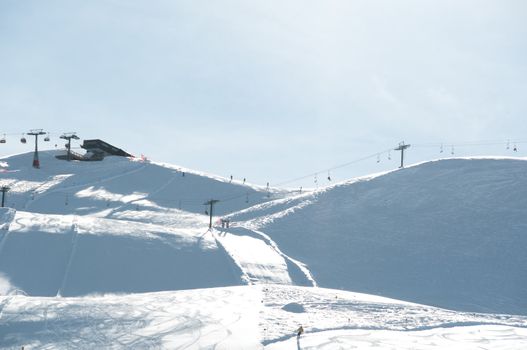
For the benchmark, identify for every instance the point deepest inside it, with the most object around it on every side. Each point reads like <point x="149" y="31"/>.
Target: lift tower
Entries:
<point x="68" y="136"/>
<point x="36" y="133"/>
<point x="401" y="148"/>
<point x="211" y="203"/>
<point x="4" y="189"/>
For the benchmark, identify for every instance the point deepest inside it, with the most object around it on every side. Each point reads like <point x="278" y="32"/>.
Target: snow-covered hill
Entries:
<point x="117" y="186"/>
<point x="450" y="233"/>
<point x="119" y="225"/>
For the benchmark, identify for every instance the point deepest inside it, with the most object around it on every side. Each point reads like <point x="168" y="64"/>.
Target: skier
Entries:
<point x="299" y="331"/>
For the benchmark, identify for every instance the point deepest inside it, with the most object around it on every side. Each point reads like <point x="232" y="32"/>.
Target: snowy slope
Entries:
<point x="47" y="255"/>
<point x="119" y="184"/>
<point x="116" y="226"/>
<point x="450" y="233"/>
<point x="248" y="317"/>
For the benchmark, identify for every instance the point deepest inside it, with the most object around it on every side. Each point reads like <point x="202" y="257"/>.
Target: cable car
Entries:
<point x="46" y="138"/>
<point x="23" y="140"/>
<point x="2" y="140"/>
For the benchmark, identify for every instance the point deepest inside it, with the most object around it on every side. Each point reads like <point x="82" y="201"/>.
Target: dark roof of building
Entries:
<point x="99" y="146"/>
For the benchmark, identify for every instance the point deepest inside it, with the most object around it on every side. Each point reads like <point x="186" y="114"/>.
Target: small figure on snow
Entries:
<point x="299" y="331"/>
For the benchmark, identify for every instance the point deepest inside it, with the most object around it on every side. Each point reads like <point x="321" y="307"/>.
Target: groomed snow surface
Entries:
<point x="118" y="254"/>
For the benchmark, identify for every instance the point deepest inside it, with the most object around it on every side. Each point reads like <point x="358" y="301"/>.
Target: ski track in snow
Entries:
<point x="74" y="241"/>
<point x="463" y="338"/>
<point x="45" y="189"/>
<point x="247" y="317"/>
<point x="268" y="267"/>
<point x="272" y="264"/>
<point x="6" y="215"/>
<point x="4" y="240"/>
<point x="120" y="208"/>
<point x="302" y="267"/>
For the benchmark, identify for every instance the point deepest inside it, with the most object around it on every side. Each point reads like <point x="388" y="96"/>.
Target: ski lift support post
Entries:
<point x="36" y="133"/>
<point x="68" y="136"/>
<point x="211" y="204"/>
<point x="4" y="189"/>
<point x="401" y="148"/>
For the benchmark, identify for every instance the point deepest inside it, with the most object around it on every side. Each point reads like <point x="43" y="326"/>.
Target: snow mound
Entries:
<point x="294" y="307"/>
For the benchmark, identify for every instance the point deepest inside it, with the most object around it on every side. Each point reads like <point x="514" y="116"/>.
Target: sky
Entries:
<point x="268" y="90"/>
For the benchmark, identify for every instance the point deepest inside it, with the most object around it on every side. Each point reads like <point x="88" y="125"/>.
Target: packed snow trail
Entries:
<point x="260" y="259"/>
<point x="260" y="262"/>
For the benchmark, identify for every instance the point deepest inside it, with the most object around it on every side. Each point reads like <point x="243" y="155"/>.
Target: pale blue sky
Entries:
<point x="266" y="90"/>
